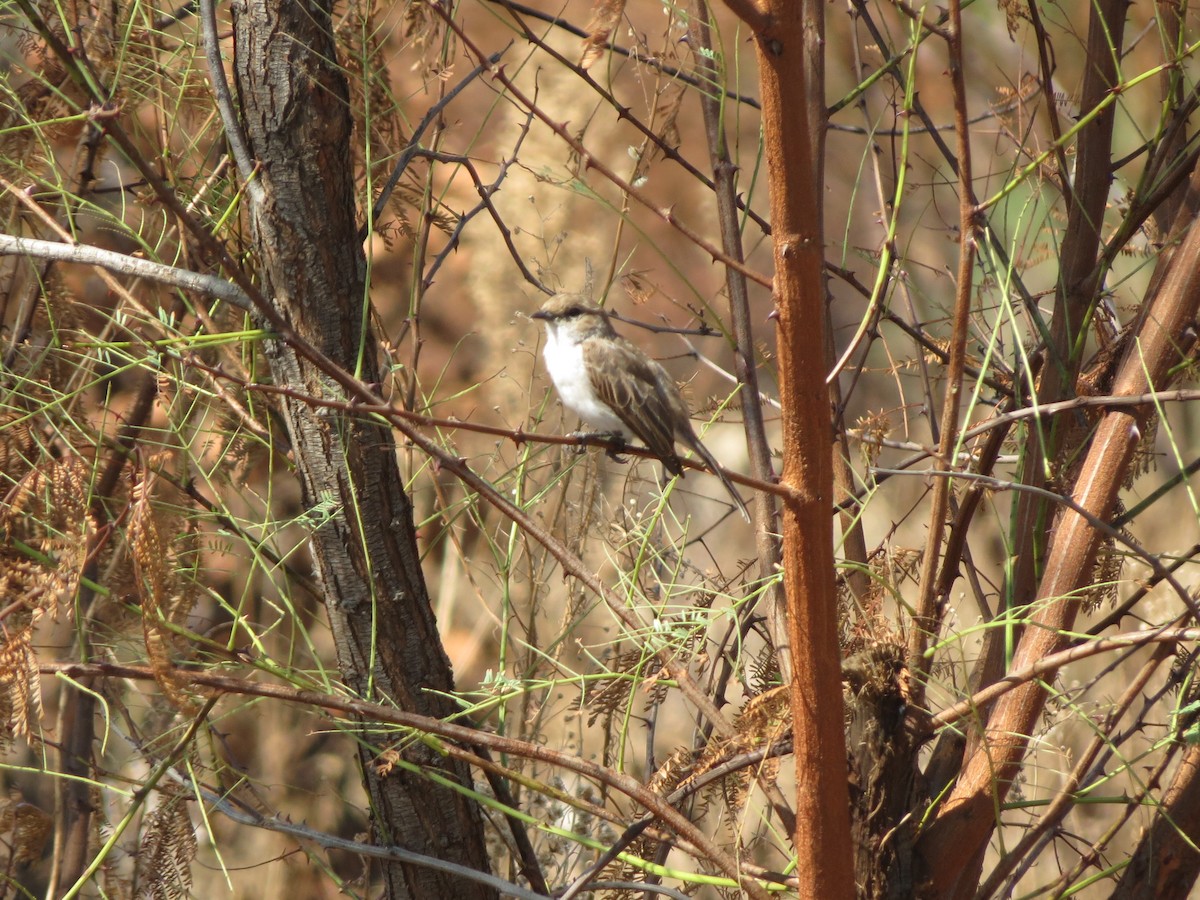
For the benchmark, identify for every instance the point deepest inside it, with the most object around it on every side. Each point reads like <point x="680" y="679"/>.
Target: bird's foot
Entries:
<point x="615" y="448"/>
<point x="613" y="441"/>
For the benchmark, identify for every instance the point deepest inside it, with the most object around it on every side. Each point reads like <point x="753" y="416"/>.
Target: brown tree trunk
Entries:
<point x="1166" y="862"/>
<point x="1165" y="335"/>
<point x="295" y="105"/>
<point x="790" y="38"/>
<point x="1074" y="296"/>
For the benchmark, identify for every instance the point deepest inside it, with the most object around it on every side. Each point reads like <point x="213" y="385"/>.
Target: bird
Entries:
<point x="615" y="387"/>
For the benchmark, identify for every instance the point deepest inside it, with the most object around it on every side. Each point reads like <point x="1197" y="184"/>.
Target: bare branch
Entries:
<point x="120" y="263"/>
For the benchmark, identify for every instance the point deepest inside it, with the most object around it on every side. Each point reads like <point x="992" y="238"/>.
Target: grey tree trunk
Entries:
<point x="294" y="102"/>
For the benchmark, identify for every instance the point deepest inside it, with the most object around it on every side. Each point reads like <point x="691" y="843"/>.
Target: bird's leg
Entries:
<point x="613" y="441"/>
<point x="616" y="447"/>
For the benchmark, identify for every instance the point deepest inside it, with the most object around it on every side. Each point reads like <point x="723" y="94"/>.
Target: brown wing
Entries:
<point x="638" y="390"/>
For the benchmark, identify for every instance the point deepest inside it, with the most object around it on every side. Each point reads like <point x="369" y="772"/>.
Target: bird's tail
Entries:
<point x="703" y="453"/>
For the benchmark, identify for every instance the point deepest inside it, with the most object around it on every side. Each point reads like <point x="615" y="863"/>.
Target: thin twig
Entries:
<point x="668" y="152"/>
<point x="534" y="530"/>
<point x="137" y="159"/>
<point x="139" y="798"/>
<point x="245" y="815"/>
<point x="724" y="374"/>
<point x="1046" y="827"/>
<point x="1102" y="526"/>
<point x="766" y="510"/>
<point x="459" y="734"/>
<point x="234" y="134"/>
<point x="588" y="161"/>
<point x="414" y="142"/>
<point x="485" y="203"/>
<point x="693" y="785"/>
<point x="166" y="20"/>
<point x="1054" y="661"/>
<point x="396" y="414"/>
<point x="635" y="55"/>
<point x="930" y="606"/>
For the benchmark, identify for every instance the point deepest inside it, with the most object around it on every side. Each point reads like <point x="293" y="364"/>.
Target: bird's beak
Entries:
<point x="540" y="314"/>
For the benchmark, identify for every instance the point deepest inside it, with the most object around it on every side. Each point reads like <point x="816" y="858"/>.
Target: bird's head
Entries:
<point x="573" y="314"/>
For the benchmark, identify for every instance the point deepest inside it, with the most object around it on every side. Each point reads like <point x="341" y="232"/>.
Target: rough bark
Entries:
<point x="885" y="786"/>
<point x="294" y="103"/>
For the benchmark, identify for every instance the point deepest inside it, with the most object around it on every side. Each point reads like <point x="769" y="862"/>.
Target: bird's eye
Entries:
<point x="573" y="311"/>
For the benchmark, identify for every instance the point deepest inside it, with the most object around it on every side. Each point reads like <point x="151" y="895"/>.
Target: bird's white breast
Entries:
<point x="568" y="369"/>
